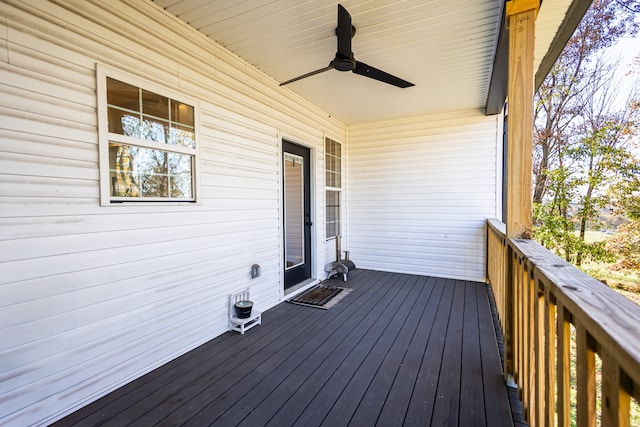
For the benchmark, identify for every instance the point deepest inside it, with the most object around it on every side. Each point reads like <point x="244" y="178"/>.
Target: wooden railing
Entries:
<point x="538" y="297"/>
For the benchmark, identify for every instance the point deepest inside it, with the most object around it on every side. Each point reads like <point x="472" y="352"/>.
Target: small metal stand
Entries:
<point x="339" y="266"/>
<point x="242" y="325"/>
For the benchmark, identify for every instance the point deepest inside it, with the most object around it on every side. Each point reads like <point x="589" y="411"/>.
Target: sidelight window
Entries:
<point x="333" y="187"/>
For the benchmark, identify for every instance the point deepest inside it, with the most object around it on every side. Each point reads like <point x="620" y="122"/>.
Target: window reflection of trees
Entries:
<point x="144" y="172"/>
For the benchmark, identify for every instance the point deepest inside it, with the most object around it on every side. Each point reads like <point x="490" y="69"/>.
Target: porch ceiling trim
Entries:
<point x="497" y="93"/>
<point x="574" y="15"/>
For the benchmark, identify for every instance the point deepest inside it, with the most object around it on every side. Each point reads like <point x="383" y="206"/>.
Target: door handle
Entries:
<point x="308" y="221"/>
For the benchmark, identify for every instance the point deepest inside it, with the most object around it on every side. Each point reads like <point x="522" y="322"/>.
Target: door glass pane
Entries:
<point x="294" y="210"/>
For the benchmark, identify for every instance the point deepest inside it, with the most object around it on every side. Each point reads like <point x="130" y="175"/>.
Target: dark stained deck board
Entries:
<point x="209" y="385"/>
<point x="165" y="392"/>
<point x="128" y="395"/>
<point x="358" y="349"/>
<point x="445" y="409"/>
<point x="423" y="399"/>
<point x="369" y="409"/>
<point x="397" y="401"/>
<point x="356" y="375"/>
<point x="293" y="393"/>
<point x="471" y="380"/>
<point x="399" y="350"/>
<point x="492" y="374"/>
<point x="319" y="346"/>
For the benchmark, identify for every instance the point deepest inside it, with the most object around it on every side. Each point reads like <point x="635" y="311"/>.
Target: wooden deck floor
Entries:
<point x="399" y="350"/>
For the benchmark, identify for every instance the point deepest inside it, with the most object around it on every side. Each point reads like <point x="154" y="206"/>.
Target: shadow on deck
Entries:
<point x="399" y="350"/>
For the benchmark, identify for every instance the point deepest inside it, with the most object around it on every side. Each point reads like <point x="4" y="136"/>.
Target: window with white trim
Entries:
<point x="333" y="187"/>
<point x="149" y="148"/>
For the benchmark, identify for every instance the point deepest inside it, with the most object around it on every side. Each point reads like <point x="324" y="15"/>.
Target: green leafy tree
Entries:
<point x="580" y="141"/>
<point x="625" y="242"/>
<point x="568" y="87"/>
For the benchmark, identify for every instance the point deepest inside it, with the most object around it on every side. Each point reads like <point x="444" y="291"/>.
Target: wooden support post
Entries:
<point x="521" y="15"/>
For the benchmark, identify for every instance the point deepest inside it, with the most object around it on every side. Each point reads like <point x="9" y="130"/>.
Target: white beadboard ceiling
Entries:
<point x="445" y="47"/>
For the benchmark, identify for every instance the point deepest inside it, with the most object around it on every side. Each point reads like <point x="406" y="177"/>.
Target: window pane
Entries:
<point x="124" y="182"/>
<point x="333" y="180"/>
<point x="142" y="172"/>
<point x="156" y="124"/>
<point x="182" y="136"/>
<point x="123" y="95"/>
<point x="124" y="123"/>
<point x="333" y="164"/>
<point x="294" y="210"/>
<point x="155" y="105"/>
<point x="180" y="175"/>
<point x="337" y="165"/>
<point x="154" y="130"/>
<point x="182" y="113"/>
<point x="332" y="213"/>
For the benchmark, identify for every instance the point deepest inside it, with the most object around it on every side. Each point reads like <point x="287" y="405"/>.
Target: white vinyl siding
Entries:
<point x="94" y="296"/>
<point x="420" y="191"/>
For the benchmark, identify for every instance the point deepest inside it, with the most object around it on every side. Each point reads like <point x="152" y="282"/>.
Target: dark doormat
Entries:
<point x="321" y="296"/>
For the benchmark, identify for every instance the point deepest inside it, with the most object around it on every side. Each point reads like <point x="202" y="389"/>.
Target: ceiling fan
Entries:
<point x="345" y="61"/>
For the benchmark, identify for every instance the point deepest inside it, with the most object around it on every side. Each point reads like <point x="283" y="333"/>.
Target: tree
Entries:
<point x="561" y="98"/>
<point x="579" y="140"/>
<point x="625" y="243"/>
<point x="630" y="5"/>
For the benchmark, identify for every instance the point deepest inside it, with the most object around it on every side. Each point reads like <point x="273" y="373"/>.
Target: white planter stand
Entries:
<point x="242" y="325"/>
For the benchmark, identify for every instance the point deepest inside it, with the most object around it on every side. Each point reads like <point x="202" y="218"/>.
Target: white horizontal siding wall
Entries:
<point x="92" y="297"/>
<point x="420" y="190"/>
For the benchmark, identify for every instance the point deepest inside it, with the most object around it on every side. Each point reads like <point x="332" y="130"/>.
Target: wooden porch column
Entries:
<point x="521" y="16"/>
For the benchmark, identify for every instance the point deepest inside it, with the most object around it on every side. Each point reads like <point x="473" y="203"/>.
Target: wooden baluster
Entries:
<point x="550" y="357"/>
<point x="517" y="321"/>
<point x="586" y="370"/>
<point x="522" y="377"/>
<point x="531" y="324"/>
<point x="564" y="367"/>
<point x="616" y="401"/>
<point x="538" y="352"/>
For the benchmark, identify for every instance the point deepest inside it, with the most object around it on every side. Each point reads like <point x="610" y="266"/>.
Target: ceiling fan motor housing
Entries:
<point x="344" y="64"/>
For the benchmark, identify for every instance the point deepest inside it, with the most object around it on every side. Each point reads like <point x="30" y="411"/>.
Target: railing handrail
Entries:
<point x="499" y="226"/>
<point x="612" y="319"/>
<point x="538" y="295"/>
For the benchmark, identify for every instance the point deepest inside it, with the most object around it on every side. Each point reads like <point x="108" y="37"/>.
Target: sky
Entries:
<point x="627" y="49"/>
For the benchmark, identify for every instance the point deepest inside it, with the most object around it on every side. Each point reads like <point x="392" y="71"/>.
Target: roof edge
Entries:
<point x="574" y="15"/>
<point x="497" y="93"/>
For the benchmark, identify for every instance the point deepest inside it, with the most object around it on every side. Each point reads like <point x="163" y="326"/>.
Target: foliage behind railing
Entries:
<point x="538" y="296"/>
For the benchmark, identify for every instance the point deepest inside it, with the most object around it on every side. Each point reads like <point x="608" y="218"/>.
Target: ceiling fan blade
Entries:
<point x="373" y="73"/>
<point x="344" y="33"/>
<point x="313" y="73"/>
